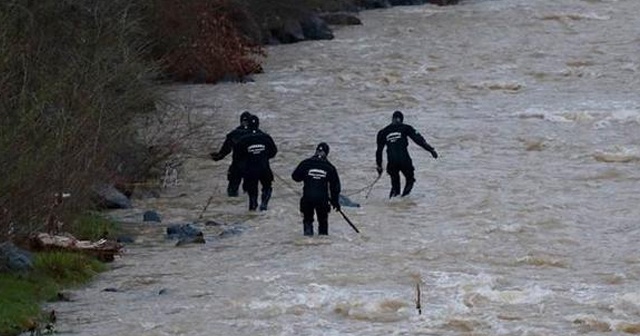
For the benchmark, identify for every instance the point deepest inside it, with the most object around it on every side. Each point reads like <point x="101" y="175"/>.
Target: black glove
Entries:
<point x="215" y="156"/>
<point x="434" y="153"/>
<point x="335" y="205"/>
<point x="379" y="170"/>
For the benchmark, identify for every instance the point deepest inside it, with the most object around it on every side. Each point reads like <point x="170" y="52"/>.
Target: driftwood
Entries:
<point x="103" y="249"/>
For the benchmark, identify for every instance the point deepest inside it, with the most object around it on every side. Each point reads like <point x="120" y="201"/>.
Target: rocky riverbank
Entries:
<point x="315" y="24"/>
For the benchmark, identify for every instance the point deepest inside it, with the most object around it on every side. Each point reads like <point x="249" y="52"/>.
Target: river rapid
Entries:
<point x="527" y="223"/>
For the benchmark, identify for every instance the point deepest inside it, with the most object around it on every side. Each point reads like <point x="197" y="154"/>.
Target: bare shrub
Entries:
<point x="166" y="139"/>
<point x="198" y="40"/>
<point x="70" y="89"/>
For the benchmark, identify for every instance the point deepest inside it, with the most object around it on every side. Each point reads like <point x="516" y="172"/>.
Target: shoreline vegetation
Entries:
<point x="79" y="79"/>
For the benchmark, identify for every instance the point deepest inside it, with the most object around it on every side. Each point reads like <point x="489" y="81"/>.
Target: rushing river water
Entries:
<point x="527" y="223"/>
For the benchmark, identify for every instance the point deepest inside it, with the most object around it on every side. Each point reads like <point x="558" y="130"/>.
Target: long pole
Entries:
<point x="348" y="221"/>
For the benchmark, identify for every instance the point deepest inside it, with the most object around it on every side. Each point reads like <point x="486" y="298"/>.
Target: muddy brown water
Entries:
<point x="527" y="224"/>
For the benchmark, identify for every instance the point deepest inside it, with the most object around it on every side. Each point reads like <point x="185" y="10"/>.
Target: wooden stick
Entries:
<point x="418" y="305"/>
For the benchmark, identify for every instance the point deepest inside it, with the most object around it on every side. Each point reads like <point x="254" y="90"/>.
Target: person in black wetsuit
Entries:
<point x="255" y="149"/>
<point x="234" y="174"/>
<point x="394" y="136"/>
<point x="321" y="188"/>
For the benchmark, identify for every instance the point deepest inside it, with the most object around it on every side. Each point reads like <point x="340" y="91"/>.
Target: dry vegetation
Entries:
<point x="75" y="75"/>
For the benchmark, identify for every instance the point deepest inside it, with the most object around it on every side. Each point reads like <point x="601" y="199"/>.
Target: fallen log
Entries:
<point x="103" y="249"/>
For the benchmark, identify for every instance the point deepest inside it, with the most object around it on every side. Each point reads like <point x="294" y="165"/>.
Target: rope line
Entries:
<point x="368" y="186"/>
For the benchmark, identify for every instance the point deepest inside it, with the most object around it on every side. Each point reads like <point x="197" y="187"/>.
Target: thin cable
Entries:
<point x="370" y="185"/>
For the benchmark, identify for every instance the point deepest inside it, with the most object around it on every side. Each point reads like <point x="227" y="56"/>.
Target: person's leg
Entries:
<point x="250" y="185"/>
<point x="322" y="211"/>
<point x="394" y="173"/>
<point x="266" y="181"/>
<point x="307" y="217"/>
<point x="408" y="172"/>
<point x="234" y="176"/>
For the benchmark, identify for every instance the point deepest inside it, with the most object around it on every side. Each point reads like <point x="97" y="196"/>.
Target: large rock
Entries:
<point x="13" y="258"/>
<point x="407" y="2"/>
<point x="111" y="198"/>
<point x="315" y="28"/>
<point x="373" y="4"/>
<point x="341" y="18"/>
<point x="443" y="2"/>
<point x="289" y="32"/>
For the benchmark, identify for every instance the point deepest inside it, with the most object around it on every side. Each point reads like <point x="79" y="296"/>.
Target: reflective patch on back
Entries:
<point x="317" y="173"/>
<point x="256" y="149"/>
<point x="393" y="136"/>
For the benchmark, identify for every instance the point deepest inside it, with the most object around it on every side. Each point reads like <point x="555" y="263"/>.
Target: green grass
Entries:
<point x="93" y="226"/>
<point x="67" y="268"/>
<point x="22" y="294"/>
<point x="20" y="298"/>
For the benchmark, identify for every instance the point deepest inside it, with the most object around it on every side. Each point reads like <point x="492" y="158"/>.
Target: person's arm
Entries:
<point x="299" y="173"/>
<point x="240" y="148"/>
<point x="420" y="141"/>
<point x="381" y="141"/>
<point x="334" y="188"/>
<point x="273" y="149"/>
<point x="227" y="147"/>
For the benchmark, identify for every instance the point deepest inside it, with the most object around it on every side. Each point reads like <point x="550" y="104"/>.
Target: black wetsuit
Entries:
<point x="234" y="174"/>
<point x="394" y="136"/>
<point x="321" y="188"/>
<point x="254" y="150"/>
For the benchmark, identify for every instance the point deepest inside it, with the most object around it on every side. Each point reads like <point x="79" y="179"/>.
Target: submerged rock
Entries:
<point x="345" y="201"/>
<point x="231" y="231"/>
<point x="185" y="233"/>
<point x="151" y="216"/>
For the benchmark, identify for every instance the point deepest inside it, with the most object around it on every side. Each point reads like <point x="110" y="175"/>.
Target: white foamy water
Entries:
<point x="527" y="223"/>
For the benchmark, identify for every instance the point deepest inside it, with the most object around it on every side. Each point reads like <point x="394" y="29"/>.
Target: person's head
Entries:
<point x="244" y="118"/>
<point x="397" y="117"/>
<point x="254" y="122"/>
<point x="322" y="149"/>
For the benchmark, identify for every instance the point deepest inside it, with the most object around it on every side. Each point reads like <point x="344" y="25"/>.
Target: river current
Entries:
<point x="527" y="223"/>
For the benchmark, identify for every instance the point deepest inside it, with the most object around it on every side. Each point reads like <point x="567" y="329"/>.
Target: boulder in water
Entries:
<point x="185" y="233"/>
<point x="346" y="202"/>
<point x="151" y="216"/>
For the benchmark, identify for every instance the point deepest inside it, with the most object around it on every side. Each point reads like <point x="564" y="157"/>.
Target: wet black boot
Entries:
<point x="266" y="196"/>
<point x="408" y="187"/>
<point x="253" y="203"/>
<point x="323" y="229"/>
<point x="234" y="185"/>
<point x="308" y="228"/>
<point x="395" y="186"/>
<point x="231" y="191"/>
